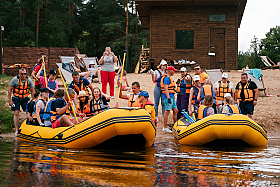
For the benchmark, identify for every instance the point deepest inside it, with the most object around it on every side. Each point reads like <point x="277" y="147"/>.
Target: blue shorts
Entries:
<point x="246" y="108"/>
<point x="169" y="106"/>
<point x="19" y="102"/>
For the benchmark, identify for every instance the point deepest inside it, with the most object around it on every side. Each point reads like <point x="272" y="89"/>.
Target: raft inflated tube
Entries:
<point x="220" y="127"/>
<point x="111" y="123"/>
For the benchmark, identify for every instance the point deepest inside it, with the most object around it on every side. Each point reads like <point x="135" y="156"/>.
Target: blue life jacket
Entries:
<point x="51" y="85"/>
<point x="195" y="93"/>
<point x="47" y="113"/>
<point x="55" y="116"/>
<point x="158" y="80"/>
<point x="42" y="110"/>
<point x="42" y="72"/>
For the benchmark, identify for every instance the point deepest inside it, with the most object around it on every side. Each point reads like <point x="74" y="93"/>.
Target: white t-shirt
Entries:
<point x="157" y="74"/>
<point x="134" y="96"/>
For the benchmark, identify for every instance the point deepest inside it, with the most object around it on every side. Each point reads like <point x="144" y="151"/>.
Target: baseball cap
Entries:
<point x="53" y="72"/>
<point x="225" y="75"/>
<point x="171" y="68"/>
<point x="227" y="95"/>
<point x="183" y="69"/>
<point x="144" y="93"/>
<point x="44" y="90"/>
<point x="196" y="78"/>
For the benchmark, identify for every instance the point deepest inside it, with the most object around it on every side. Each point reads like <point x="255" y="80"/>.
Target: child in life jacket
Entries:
<point x="207" y="89"/>
<point x="51" y="83"/>
<point x="147" y="104"/>
<point x="229" y="106"/>
<point x="124" y="81"/>
<point x="83" y="105"/>
<point x="99" y="103"/>
<point x="194" y="99"/>
<point x="30" y="109"/>
<point x="39" y="107"/>
<point x="206" y="109"/>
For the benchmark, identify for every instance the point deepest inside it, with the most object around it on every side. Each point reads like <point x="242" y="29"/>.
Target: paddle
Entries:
<point x="67" y="94"/>
<point x="43" y="59"/>
<point x="117" y="104"/>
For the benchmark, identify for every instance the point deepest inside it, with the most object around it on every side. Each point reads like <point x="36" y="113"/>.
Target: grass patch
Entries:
<point x="6" y="115"/>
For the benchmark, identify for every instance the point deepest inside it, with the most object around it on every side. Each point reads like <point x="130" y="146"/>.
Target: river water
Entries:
<point x="165" y="164"/>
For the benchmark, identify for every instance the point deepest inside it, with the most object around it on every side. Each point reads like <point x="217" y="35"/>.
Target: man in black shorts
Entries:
<point x="246" y="92"/>
<point x="20" y="86"/>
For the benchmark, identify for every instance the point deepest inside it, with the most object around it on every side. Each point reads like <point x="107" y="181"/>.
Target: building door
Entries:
<point x="217" y="48"/>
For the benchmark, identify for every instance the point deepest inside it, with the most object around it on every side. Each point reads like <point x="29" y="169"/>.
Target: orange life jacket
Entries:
<point x="171" y="86"/>
<point x="22" y="90"/>
<point x="83" y="87"/>
<point x="184" y="87"/>
<point x="222" y="90"/>
<point x="86" y="109"/>
<point x="233" y="109"/>
<point x="202" y="112"/>
<point x="153" y="111"/>
<point x="98" y="106"/>
<point x="134" y="103"/>
<point x="248" y="94"/>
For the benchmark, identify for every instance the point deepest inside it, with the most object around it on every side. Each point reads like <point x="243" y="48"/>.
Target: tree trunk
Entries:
<point x="126" y="34"/>
<point x="37" y="28"/>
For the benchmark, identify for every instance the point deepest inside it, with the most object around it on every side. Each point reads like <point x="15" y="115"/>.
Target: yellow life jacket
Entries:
<point x="134" y="103"/>
<point x="171" y="86"/>
<point x="149" y="106"/>
<point x="248" y="94"/>
<point x="233" y="109"/>
<point x="22" y="90"/>
<point x="98" y="106"/>
<point x="202" y="112"/>
<point x="222" y="90"/>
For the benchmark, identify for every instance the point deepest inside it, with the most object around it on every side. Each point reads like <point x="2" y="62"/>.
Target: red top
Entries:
<point x="36" y="69"/>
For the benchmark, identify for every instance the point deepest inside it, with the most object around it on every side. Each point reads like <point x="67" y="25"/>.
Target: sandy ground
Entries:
<point x="266" y="111"/>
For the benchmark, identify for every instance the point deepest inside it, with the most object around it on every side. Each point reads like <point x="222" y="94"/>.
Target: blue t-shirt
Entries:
<point x="167" y="81"/>
<point x="86" y="83"/>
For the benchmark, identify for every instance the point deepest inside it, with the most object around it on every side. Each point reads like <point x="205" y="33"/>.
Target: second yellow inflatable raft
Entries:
<point x="115" y="127"/>
<point x="220" y="128"/>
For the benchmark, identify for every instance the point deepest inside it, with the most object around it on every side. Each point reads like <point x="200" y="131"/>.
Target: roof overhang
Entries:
<point x="143" y="7"/>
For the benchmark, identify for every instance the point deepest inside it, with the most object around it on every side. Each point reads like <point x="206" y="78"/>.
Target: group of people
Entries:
<point x="196" y="96"/>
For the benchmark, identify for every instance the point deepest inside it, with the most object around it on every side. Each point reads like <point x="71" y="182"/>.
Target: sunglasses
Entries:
<point x="196" y="68"/>
<point x="23" y="74"/>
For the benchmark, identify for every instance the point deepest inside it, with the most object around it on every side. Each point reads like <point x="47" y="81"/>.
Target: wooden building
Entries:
<point x="205" y="31"/>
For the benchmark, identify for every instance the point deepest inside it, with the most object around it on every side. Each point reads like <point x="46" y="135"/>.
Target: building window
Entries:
<point x="184" y="39"/>
<point x="218" y="17"/>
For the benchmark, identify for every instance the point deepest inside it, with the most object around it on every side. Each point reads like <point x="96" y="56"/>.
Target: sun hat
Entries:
<point x="227" y="95"/>
<point x="225" y="75"/>
<point x="196" y="78"/>
<point x="82" y="93"/>
<point x="171" y="68"/>
<point x="144" y="93"/>
<point x="91" y="62"/>
<point x="183" y="69"/>
<point x="162" y="63"/>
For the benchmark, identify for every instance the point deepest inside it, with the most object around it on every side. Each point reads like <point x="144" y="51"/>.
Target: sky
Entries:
<point x="259" y="16"/>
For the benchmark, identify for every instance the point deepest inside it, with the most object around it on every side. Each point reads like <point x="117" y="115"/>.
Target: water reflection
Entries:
<point x="167" y="164"/>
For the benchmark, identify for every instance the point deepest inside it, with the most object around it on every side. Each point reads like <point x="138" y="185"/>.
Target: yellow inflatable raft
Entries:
<point x="113" y="127"/>
<point x="220" y="129"/>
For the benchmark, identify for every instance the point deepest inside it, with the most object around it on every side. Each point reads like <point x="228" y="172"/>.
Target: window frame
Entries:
<point x="183" y="29"/>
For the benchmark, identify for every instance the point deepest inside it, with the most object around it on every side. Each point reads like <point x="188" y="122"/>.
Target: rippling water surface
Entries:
<point x="166" y="164"/>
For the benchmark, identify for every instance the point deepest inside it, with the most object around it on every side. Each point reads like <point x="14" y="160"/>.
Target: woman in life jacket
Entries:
<point x="30" y="109"/>
<point x="206" y="109"/>
<point x="83" y="106"/>
<point x="39" y="107"/>
<point x="229" y="106"/>
<point x="156" y="78"/>
<point x="194" y="98"/>
<point x="51" y="83"/>
<point x="99" y="103"/>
